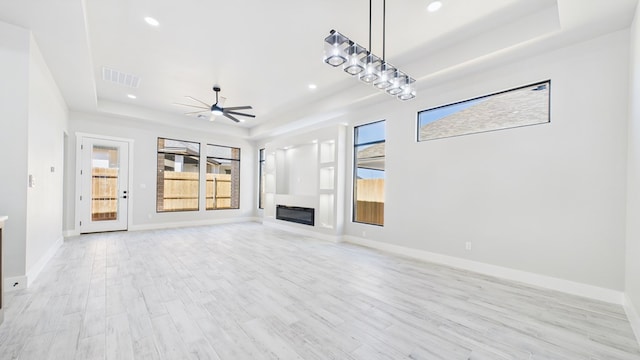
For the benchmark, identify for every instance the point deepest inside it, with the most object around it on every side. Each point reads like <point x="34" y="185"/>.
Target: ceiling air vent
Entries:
<point x="118" y="77"/>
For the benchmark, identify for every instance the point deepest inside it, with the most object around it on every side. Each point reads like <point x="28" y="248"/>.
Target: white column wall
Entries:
<point x="632" y="281"/>
<point x="47" y="124"/>
<point x="14" y="94"/>
<point x="33" y="118"/>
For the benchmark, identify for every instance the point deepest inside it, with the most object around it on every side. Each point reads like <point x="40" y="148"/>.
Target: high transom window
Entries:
<point x="523" y="106"/>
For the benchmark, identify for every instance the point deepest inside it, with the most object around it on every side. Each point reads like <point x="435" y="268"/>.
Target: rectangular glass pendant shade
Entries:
<point x="370" y="64"/>
<point x="385" y="75"/>
<point x="334" y="49"/>
<point x="355" y="53"/>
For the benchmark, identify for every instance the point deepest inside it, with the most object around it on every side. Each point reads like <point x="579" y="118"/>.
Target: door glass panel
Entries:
<point x="104" y="187"/>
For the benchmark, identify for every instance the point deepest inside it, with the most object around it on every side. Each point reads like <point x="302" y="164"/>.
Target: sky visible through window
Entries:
<point x="369" y="174"/>
<point x="370" y="133"/>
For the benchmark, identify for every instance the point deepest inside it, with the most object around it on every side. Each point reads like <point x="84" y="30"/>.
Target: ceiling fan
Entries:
<point x="217" y="108"/>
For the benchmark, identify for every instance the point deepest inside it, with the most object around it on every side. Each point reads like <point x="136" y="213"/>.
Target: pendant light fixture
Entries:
<point x="356" y="60"/>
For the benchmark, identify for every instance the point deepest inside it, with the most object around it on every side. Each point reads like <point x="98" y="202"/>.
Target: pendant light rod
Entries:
<point x="370" y="17"/>
<point x="384" y="26"/>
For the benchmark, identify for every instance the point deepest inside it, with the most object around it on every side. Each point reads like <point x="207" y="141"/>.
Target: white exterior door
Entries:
<point x="104" y="180"/>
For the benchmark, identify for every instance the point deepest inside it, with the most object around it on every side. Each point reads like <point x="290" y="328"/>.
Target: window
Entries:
<point x="178" y="175"/>
<point x="261" y="189"/>
<point x="223" y="177"/>
<point x="523" y="106"/>
<point x="369" y="163"/>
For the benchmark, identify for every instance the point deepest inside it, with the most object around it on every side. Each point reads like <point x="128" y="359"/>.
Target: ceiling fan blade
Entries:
<point x="238" y="113"/>
<point x="238" y="108"/>
<point x="193" y="106"/>
<point x="231" y="117"/>
<point x="200" y="101"/>
<point x="196" y="112"/>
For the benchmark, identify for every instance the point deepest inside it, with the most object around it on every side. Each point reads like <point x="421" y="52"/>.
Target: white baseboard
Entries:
<point x="548" y="282"/>
<point x="632" y="315"/>
<point x="15" y="283"/>
<point x="35" y="270"/>
<point x="170" y="225"/>
<point x="303" y="231"/>
<point x="69" y="233"/>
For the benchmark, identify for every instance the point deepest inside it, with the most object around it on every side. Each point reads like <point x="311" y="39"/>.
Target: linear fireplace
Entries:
<point x="300" y="215"/>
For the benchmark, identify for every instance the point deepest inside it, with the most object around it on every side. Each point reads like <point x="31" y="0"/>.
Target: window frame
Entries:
<point x="158" y="152"/>
<point x="261" y="164"/>
<point x="207" y="157"/>
<point x="547" y="82"/>
<point x="355" y="170"/>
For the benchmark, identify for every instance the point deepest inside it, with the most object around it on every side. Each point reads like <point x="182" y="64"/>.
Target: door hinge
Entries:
<point x="80" y="223"/>
<point x="81" y="147"/>
<point x="80" y="197"/>
<point x="80" y="172"/>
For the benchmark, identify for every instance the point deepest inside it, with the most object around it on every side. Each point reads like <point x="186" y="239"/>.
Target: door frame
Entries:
<point x="78" y="179"/>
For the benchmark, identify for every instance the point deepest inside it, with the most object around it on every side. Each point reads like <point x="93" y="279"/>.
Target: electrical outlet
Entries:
<point x="15" y="283"/>
<point x="467" y="246"/>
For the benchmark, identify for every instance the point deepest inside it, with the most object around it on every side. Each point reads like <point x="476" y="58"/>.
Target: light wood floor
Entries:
<point x="244" y="291"/>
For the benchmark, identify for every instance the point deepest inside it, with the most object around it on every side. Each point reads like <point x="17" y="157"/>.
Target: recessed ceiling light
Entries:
<point x="151" y="21"/>
<point x="313" y="86"/>
<point x="434" y="6"/>
<point x="131" y="96"/>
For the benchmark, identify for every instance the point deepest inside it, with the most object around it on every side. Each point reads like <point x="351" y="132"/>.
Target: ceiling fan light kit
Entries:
<point x="355" y="59"/>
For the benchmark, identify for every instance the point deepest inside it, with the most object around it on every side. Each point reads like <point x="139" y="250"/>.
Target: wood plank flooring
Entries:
<point x="244" y="291"/>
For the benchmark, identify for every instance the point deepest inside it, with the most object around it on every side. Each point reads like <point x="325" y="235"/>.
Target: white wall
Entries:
<point x="47" y="124"/>
<point x="33" y="120"/>
<point x="14" y="72"/>
<point x="302" y="165"/>
<point x="632" y="283"/>
<point x="547" y="199"/>
<point x="143" y="194"/>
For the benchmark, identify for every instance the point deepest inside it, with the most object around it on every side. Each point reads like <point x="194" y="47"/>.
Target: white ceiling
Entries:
<point x="265" y="53"/>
